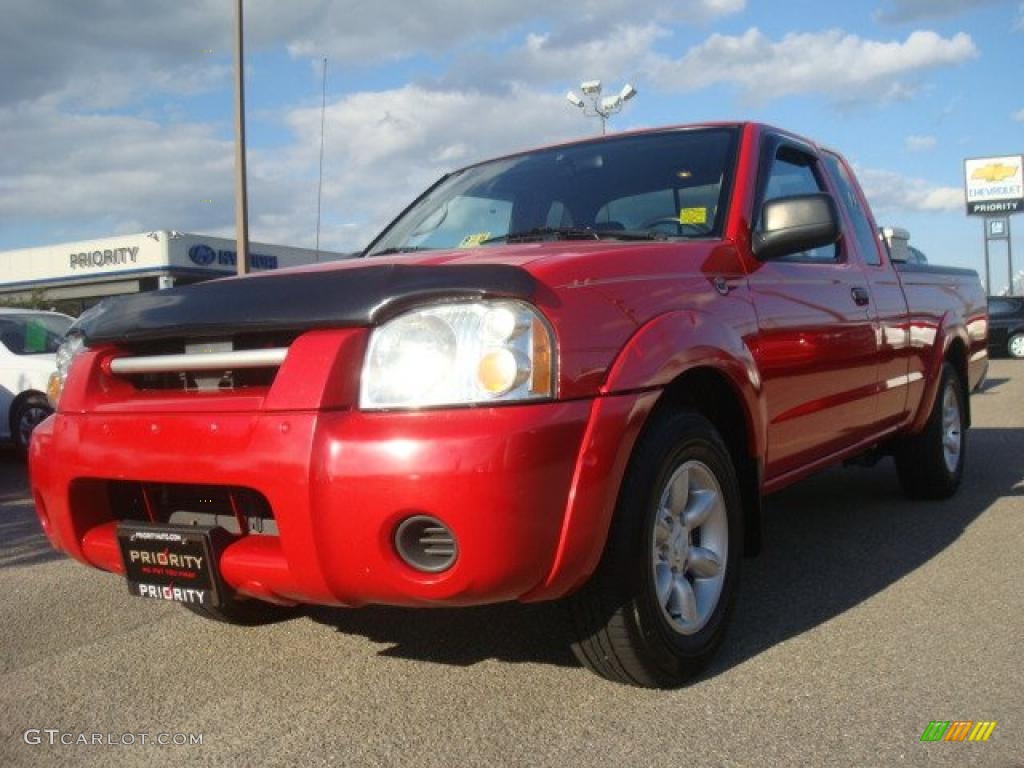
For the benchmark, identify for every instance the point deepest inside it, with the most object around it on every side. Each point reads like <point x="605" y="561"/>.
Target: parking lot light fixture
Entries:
<point x="592" y="105"/>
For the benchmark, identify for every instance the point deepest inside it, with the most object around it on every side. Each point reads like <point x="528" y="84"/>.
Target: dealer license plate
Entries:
<point x="172" y="562"/>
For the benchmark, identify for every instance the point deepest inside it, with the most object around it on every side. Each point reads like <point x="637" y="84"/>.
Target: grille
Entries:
<point x="181" y="379"/>
<point x="233" y="508"/>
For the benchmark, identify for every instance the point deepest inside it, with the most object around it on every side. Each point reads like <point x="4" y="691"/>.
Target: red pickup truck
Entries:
<point x="571" y="373"/>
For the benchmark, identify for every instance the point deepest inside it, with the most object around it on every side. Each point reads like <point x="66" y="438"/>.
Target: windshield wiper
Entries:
<point x="405" y="249"/>
<point x="541" y="233"/>
<point x="631" y="234"/>
<point x="574" y="233"/>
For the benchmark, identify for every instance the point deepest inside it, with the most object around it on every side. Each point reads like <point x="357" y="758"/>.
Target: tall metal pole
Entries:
<point x="988" y="278"/>
<point x="320" y="184"/>
<point x="1009" y="254"/>
<point x="241" y="201"/>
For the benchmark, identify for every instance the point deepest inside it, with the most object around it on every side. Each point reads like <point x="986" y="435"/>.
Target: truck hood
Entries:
<point x="352" y="293"/>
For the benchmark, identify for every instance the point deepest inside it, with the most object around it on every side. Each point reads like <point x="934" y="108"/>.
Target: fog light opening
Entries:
<point x="426" y="544"/>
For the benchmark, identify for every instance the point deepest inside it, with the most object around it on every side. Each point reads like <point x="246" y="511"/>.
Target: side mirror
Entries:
<point x="794" y="224"/>
<point x="897" y="241"/>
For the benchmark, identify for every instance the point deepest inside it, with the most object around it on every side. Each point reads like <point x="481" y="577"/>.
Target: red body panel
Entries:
<point x="529" y="490"/>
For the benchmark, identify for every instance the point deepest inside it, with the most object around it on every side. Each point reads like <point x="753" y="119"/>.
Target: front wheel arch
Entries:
<point x="620" y="628"/>
<point x="712" y="394"/>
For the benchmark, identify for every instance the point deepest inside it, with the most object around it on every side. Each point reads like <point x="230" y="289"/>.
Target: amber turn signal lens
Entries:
<point x="53" y="389"/>
<point x="541" y="382"/>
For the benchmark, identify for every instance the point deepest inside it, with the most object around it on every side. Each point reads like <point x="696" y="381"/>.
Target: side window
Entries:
<point x="999" y="307"/>
<point x="867" y="241"/>
<point x="793" y="173"/>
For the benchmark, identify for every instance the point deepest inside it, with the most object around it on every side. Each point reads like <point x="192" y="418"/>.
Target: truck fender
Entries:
<point x="674" y="343"/>
<point x="951" y="330"/>
<point x="653" y="358"/>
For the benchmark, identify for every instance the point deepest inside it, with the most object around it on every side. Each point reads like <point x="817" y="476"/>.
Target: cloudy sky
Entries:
<point x="116" y="115"/>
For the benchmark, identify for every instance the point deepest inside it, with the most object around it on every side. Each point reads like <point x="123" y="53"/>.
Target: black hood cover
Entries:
<point x="295" y="301"/>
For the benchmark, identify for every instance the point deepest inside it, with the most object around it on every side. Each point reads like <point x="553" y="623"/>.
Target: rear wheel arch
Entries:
<point x="956" y="356"/>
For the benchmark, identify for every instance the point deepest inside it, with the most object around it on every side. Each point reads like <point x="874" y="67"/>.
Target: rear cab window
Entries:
<point x="850" y="198"/>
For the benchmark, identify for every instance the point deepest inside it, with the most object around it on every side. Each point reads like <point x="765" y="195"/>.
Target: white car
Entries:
<point x="28" y="341"/>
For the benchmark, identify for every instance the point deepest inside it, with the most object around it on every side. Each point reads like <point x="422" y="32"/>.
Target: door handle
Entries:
<point x="861" y="297"/>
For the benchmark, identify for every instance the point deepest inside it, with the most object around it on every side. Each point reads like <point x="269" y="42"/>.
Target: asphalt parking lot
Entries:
<point x="866" y="617"/>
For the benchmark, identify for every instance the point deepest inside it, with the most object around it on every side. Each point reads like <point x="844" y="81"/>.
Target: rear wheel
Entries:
<point x="1016" y="346"/>
<point x="25" y="417"/>
<point x="655" y="611"/>
<point x="245" y="613"/>
<point x="930" y="464"/>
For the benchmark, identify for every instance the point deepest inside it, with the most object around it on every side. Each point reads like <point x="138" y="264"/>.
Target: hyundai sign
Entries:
<point x="995" y="185"/>
<point x="204" y="256"/>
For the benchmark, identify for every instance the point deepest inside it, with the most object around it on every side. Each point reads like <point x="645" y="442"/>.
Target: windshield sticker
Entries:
<point x="472" y="241"/>
<point x="693" y="216"/>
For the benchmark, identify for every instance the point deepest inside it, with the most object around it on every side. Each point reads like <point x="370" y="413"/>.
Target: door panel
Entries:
<point x="816" y="346"/>
<point x="889" y="303"/>
<point x="816" y="352"/>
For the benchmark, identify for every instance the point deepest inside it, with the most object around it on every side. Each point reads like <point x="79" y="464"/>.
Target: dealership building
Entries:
<point x="73" y="276"/>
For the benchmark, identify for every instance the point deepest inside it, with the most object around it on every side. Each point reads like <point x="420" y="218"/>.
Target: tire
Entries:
<point x="25" y="417"/>
<point x="930" y="464"/>
<point x="245" y="613"/>
<point x="638" y="619"/>
<point x="1015" y="346"/>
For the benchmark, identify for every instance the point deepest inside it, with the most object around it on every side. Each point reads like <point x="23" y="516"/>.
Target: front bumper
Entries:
<point x="527" y="490"/>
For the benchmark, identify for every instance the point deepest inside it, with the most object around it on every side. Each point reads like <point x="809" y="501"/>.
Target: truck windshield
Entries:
<point x="670" y="184"/>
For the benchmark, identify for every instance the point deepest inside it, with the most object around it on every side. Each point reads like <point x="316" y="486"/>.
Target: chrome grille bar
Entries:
<point x="207" y="361"/>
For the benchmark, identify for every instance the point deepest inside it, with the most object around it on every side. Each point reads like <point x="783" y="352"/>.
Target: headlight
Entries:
<point x="66" y="352"/>
<point x="459" y="354"/>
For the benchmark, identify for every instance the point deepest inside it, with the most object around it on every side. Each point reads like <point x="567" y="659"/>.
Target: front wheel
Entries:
<point x="655" y="611"/>
<point x="25" y="417"/>
<point x="1016" y="346"/>
<point x="930" y="464"/>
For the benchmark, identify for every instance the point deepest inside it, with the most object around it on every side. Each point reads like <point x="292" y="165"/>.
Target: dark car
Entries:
<point x="1006" y="325"/>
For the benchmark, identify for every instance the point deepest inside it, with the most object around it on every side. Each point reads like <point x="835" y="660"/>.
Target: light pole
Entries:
<point x="594" y="106"/>
<point x="241" y="201"/>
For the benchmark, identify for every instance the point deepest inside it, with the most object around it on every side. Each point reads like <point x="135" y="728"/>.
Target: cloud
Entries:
<point x="620" y="53"/>
<point x="920" y="143"/>
<point x="107" y="52"/>
<point x="1018" y="115"/>
<point x="842" y="66"/>
<point x="112" y="170"/>
<point x="899" y="11"/>
<point x="384" y="148"/>
<point x="891" y="193"/>
<point x="354" y="32"/>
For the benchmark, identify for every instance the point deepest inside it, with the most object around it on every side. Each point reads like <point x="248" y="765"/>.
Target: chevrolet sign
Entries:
<point x="994" y="185"/>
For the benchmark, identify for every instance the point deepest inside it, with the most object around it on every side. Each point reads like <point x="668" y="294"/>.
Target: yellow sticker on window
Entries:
<point x="693" y="216"/>
<point x="472" y="241"/>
